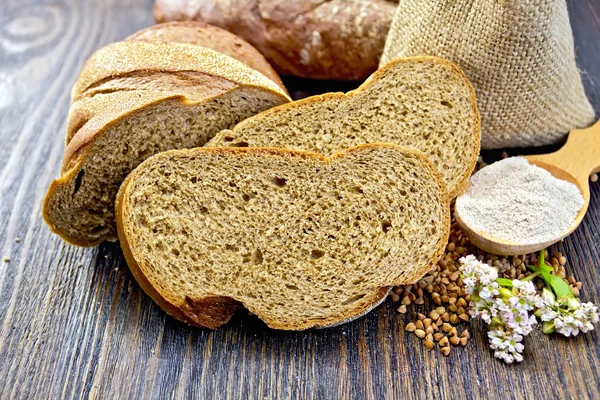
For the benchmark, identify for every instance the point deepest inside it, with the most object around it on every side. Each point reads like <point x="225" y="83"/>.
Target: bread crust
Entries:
<point x="212" y="37"/>
<point x="472" y="148"/>
<point x="178" y="310"/>
<point x="123" y="58"/>
<point x="328" y="39"/>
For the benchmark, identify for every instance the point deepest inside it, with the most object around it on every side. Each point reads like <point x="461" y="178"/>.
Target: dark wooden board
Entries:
<point x="89" y="331"/>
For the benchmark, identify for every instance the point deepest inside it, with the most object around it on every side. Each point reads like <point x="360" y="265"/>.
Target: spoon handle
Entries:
<point x="580" y="156"/>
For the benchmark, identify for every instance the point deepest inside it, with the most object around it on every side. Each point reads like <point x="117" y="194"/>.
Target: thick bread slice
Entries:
<point x="422" y="102"/>
<point x="210" y="36"/>
<point x="300" y="239"/>
<point x="135" y="99"/>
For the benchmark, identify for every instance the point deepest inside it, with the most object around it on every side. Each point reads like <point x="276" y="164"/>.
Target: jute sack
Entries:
<point x="519" y="55"/>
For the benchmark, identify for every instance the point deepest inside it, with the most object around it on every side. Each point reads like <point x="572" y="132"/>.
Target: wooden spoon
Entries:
<point x="574" y="162"/>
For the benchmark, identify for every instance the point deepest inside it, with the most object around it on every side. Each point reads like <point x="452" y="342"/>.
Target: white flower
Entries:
<point x="548" y="314"/>
<point x="569" y="317"/>
<point x="524" y="288"/>
<point x="519" y="321"/>
<point x="548" y="297"/>
<point x="489" y="291"/>
<point x="507" y="345"/>
<point x="475" y="272"/>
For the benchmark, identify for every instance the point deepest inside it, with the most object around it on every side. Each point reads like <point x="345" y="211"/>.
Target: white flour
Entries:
<point x="518" y="202"/>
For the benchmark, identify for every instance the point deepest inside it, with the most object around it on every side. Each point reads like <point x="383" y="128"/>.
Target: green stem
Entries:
<point x="558" y="285"/>
<point x="531" y="277"/>
<point x="533" y="268"/>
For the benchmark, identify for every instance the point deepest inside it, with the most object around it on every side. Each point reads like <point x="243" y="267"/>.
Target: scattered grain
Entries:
<point x="445" y="287"/>
<point x="6" y="259"/>
<point x="444" y="341"/>
<point x="429" y="344"/>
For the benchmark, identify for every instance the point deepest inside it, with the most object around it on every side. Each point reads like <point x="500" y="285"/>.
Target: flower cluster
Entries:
<point x="510" y="307"/>
<point x="505" y="310"/>
<point x="507" y="345"/>
<point x="567" y="316"/>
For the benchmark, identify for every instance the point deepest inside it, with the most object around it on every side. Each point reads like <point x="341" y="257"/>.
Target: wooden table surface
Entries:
<point x="73" y="322"/>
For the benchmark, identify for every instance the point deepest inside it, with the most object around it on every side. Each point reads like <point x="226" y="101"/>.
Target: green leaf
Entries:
<point x="504" y="282"/>
<point x="559" y="286"/>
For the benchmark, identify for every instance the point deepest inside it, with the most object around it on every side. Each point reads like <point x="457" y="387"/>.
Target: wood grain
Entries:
<point x="89" y="332"/>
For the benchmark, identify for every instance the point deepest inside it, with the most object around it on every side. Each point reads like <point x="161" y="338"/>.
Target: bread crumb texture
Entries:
<point x="302" y="241"/>
<point x="423" y="102"/>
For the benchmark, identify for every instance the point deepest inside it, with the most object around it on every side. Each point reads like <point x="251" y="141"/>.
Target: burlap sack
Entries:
<point x="519" y="55"/>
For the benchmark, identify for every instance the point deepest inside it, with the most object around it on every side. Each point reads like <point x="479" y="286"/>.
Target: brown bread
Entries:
<point x="300" y="239"/>
<point x="324" y="39"/>
<point x="422" y="102"/>
<point x="134" y="99"/>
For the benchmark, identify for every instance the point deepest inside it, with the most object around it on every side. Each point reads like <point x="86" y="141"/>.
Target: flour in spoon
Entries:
<point x="518" y="202"/>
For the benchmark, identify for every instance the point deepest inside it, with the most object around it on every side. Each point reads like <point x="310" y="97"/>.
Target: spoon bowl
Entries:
<point x="574" y="162"/>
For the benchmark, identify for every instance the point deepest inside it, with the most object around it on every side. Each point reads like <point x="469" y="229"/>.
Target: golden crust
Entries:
<point x="178" y="309"/>
<point x="201" y="34"/>
<point x="123" y="58"/>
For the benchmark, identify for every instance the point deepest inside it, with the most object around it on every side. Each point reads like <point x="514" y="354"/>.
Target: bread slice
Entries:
<point x="301" y="240"/>
<point x="422" y="102"/>
<point x="212" y="37"/>
<point x="132" y="100"/>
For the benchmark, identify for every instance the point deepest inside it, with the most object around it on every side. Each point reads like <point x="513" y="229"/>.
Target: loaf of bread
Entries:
<point x="323" y="39"/>
<point x="299" y="239"/>
<point x="518" y="54"/>
<point x="137" y="98"/>
<point x="422" y="102"/>
<point x="213" y="37"/>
